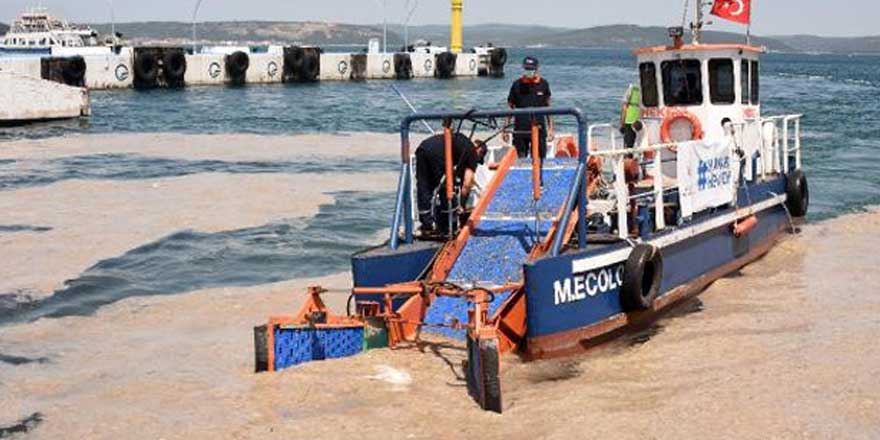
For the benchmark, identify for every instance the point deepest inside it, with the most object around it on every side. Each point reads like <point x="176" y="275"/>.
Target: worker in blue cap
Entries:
<point x="530" y="90"/>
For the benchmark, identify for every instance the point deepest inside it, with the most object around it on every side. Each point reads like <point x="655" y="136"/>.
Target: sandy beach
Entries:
<point x="786" y="348"/>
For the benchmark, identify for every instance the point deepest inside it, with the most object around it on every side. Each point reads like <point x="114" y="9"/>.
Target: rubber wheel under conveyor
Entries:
<point x="504" y="237"/>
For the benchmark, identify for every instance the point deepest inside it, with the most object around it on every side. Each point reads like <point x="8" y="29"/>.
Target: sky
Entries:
<point x="770" y="17"/>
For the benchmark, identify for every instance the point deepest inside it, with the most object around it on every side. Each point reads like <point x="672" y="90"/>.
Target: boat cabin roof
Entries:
<point x="698" y="48"/>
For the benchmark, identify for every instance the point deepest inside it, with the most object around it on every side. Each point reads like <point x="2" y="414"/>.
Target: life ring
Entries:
<point x="642" y="277"/>
<point x="566" y="147"/>
<point x="696" y="130"/>
<point x="797" y="194"/>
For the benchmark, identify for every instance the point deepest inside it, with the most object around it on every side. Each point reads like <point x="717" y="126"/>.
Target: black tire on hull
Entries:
<point x="642" y="277"/>
<point x="798" y="194"/>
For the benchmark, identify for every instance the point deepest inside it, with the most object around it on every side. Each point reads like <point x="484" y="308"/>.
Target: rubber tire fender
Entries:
<point x="295" y="58"/>
<point x="642" y="277"/>
<point x="237" y="64"/>
<point x="174" y="66"/>
<point x="311" y="66"/>
<point x="74" y="70"/>
<point x="146" y="68"/>
<point x="798" y="194"/>
<point x="498" y="57"/>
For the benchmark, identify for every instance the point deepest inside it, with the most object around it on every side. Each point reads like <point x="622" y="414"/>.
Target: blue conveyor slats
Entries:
<point x="500" y="244"/>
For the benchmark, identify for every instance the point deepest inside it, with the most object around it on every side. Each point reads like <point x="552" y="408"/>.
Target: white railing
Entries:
<point x="773" y="150"/>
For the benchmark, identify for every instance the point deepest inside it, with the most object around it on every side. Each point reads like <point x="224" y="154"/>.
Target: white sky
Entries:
<point x="771" y="17"/>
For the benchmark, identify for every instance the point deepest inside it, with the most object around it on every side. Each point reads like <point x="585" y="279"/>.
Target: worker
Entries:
<point x="631" y="115"/>
<point x="430" y="173"/>
<point x="531" y="90"/>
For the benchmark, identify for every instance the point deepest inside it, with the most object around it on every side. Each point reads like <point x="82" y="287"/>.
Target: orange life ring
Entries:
<point x="697" y="130"/>
<point x="566" y="147"/>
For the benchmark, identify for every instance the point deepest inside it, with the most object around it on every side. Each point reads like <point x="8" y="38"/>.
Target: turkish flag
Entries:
<point x="739" y="11"/>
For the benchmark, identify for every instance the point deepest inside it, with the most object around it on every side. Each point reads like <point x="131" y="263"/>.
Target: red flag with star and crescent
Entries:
<point x="739" y="11"/>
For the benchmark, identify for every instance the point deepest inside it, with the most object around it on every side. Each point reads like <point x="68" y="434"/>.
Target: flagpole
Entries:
<point x="749" y="27"/>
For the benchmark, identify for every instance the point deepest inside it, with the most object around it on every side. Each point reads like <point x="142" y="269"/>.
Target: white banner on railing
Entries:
<point x="705" y="175"/>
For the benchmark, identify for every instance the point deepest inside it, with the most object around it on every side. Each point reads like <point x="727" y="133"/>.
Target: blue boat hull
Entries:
<point x="574" y="300"/>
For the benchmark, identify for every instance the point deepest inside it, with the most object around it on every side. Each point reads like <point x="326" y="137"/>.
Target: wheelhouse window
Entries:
<point x="721" y="81"/>
<point x="744" y="81"/>
<point x="648" y="76"/>
<point x="755" y="84"/>
<point x="682" y="82"/>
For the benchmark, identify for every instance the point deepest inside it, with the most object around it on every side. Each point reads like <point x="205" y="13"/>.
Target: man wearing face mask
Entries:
<point x="530" y="90"/>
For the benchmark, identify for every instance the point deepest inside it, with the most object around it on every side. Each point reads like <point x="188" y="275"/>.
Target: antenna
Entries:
<point x="697" y="25"/>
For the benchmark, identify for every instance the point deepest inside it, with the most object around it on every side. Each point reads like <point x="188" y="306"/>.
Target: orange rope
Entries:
<point x="536" y="164"/>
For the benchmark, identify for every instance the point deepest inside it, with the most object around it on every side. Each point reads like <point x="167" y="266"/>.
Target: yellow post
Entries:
<point x="455" y="34"/>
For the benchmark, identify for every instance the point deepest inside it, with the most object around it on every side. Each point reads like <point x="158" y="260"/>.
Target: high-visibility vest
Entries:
<point x="633" y="106"/>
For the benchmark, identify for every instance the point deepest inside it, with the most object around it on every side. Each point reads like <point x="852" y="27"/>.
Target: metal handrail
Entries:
<point x="403" y="208"/>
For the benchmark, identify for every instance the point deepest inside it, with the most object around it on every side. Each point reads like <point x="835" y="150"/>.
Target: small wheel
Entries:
<point x="798" y="194"/>
<point x="642" y="277"/>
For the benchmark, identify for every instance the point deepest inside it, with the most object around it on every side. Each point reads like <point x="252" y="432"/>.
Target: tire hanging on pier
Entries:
<point x="70" y="71"/>
<point x="174" y="68"/>
<point x="642" y="278"/>
<point x="797" y="193"/>
<point x="301" y="64"/>
<point x="403" y="67"/>
<point x="146" y="69"/>
<point x="497" y="61"/>
<point x="445" y="65"/>
<point x="237" y="64"/>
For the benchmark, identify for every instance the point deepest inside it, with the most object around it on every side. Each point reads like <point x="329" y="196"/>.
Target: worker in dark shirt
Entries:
<point x="531" y="90"/>
<point x="430" y="173"/>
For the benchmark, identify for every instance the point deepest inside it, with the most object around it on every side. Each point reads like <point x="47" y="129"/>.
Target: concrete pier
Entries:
<point x="25" y="99"/>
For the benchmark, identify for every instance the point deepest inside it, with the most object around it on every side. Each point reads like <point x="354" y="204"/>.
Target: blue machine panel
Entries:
<point x="298" y="345"/>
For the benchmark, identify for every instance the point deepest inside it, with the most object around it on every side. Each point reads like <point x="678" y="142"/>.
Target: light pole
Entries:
<point x="411" y="6"/>
<point x="112" y="21"/>
<point x="195" y="13"/>
<point x="383" y="3"/>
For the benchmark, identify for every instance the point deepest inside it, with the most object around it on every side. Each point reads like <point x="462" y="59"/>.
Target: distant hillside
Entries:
<point x="630" y="36"/>
<point x="318" y="33"/>
<point x="4" y="28"/>
<point x="810" y="43"/>
<point x="324" y="34"/>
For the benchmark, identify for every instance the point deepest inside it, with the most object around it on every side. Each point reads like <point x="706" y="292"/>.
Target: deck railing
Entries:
<point x="775" y="151"/>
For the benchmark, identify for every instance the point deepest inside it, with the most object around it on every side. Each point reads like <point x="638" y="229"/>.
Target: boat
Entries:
<point x="36" y="32"/>
<point x="560" y="256"/>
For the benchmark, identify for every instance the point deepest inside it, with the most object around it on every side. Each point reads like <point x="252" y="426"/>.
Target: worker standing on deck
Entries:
<point x="630" y="115"/>
<point x="531" y="90"/>
<point x="430" y="173"/>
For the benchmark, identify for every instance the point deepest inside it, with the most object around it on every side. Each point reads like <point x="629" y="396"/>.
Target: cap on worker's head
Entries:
<point x="530" y="63"/>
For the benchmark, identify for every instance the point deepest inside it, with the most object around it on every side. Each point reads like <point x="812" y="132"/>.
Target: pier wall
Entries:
<point x="335" y="67"/>
<point x="26" y="99"/>
<point x="109" y="71"/>
<point x="118" y="70"/>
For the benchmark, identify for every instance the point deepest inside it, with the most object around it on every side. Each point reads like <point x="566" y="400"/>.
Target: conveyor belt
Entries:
<point x="501" y="242"/>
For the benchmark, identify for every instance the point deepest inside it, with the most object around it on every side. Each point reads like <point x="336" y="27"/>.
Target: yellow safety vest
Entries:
<point x="633" y="106"/>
